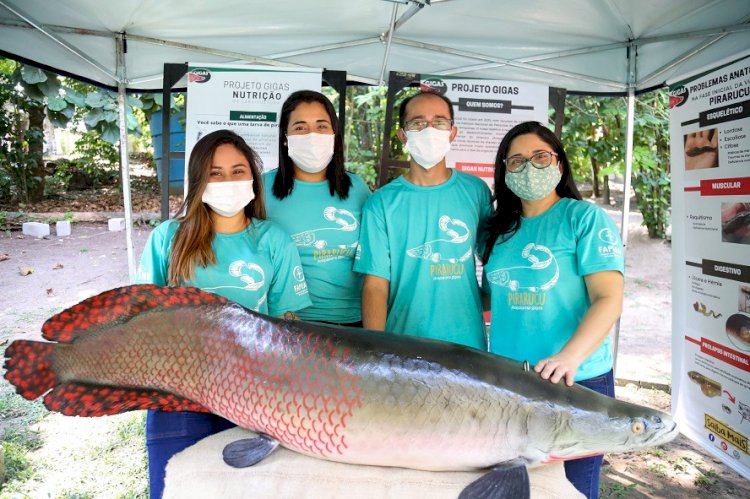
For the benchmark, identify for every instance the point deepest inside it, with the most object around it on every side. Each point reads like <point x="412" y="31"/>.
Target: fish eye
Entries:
<point x="637" y="427"/>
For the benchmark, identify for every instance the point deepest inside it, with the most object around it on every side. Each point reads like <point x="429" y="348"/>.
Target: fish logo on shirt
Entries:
<point x="345" y="221"/>
<point x="449" y="249"/>
<point x="251" y="278"/>
<point x="539" y="274"/>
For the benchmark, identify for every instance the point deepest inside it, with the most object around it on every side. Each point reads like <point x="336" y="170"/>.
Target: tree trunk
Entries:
<point x="36" y="154"/>
<point x="605" y="190"/>
<point x="595" y="176"/>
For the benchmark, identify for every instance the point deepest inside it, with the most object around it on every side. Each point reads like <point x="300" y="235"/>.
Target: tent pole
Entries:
<point x="632" y="54"/>
<point x="124" y="164"/>
<point x="389" y="38"/>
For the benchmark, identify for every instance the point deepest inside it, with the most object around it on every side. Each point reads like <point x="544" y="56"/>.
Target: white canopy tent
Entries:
<point x="588" y="46"/>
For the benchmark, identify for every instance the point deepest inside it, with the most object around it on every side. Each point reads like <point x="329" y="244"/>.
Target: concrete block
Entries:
<point x="62" y="228"/>
<point x="116" y="224"/>
<point x="36" y="229"/>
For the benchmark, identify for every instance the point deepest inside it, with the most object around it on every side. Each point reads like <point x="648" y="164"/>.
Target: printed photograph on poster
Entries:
<point x="245" y="99"/>
<point x="744" y="300"/>
<point x="735" y="223"/>
<point x="701" y="149"/>
<point x="738" y="331"/>
<point x="484" y="111"/>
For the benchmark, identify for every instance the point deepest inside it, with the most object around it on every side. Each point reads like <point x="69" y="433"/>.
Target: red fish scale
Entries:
<point x="271" y="388"/>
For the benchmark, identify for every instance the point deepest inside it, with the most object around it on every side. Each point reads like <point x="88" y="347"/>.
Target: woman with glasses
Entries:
<point x="319" y="204"/>
<point x="554" y="272"/>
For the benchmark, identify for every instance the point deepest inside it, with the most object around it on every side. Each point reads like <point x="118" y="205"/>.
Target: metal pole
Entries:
<point x="632" y="54"/>
<point x="389" y="37"/>
<point x="124" y="165"/>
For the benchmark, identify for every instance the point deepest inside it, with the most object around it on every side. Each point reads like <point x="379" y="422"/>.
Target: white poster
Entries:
<point x="244" y="99"/>
<point x="484" y="112"/>
<point x="710" y="149"/>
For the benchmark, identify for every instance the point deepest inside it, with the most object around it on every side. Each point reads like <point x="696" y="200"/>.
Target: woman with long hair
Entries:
<point x="554" y="271"/>
<point x="222" y="244"/>
<point x="320" y="204"/>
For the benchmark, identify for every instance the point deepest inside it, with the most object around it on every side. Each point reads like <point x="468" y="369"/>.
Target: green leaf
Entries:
<point x="75" y="98"/>
<point x="96" y="100"/>
<point x="134" y="101"/>
<point x="93" y="117"/>
<point x="32" y="75"/>
<point x="61" y="118"/>
<point x="56" y="104"/>
<point x="110" y="132"/>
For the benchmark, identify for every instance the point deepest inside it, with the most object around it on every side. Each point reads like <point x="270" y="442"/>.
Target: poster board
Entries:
<point x="710" y="157"/>
<point x="484" y="112"/>
<point x="245" y="99"/>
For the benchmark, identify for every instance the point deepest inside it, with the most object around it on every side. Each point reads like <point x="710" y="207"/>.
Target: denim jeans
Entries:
<point x="167" y="433"/>
<point x="584" y="473"/>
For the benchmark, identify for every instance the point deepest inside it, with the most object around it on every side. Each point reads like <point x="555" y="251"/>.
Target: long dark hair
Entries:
<point x="192" y="241"/>
<point x="338" y="181"/>
<point x="506" y="218"/>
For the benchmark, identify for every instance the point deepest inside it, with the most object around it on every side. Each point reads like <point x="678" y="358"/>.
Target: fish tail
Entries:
<point x="120" y="305"/>
<point x="28" y="367"/>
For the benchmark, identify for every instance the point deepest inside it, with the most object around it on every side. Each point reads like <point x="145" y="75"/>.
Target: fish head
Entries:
<point x="615" y="426"/>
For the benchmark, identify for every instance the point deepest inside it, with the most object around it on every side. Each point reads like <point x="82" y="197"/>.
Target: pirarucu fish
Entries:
<point x="342" y="394"/>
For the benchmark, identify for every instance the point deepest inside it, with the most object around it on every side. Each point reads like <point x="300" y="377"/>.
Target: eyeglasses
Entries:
<point x="419" y="125"/>
<point x="540" y="161"/>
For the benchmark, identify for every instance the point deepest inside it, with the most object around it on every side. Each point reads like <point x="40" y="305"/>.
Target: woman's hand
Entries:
<point x="605" y="291"/>
<point x="558" y="367"/>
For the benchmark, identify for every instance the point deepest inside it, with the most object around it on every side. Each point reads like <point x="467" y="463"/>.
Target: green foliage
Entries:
<point x="594" y="138"/>
<point x="20" y="143"/>
<point x="651" y="163"/>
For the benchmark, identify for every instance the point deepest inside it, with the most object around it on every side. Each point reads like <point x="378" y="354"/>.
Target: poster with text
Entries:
<point x="710" y="152"/>
<point x="244" y="99"/>
<point x="484" y="111"/>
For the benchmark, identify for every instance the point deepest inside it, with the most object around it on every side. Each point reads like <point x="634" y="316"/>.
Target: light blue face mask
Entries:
<point x="532" y="183"/>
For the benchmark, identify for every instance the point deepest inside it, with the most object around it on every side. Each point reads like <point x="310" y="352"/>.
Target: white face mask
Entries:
<point x="228" y="198"/>
<point x="311" y="152"/>
<point x="429" y="146"/>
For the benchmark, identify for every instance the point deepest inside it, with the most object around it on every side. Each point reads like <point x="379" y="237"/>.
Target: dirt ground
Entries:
<point x="39" y="277"/>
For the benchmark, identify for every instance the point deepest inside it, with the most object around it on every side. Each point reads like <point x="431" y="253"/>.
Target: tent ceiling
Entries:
<point x="581" y="45"/>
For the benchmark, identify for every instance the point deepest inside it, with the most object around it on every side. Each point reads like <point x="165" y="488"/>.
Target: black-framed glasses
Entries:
<point x="539" y="160"/>
<point x="438" y="124"/>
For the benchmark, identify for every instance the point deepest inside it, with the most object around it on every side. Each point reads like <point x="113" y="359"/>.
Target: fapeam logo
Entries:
<point x="199" y="75"/>
<point x="298" y="274"/>
<point x="608" y="236"/>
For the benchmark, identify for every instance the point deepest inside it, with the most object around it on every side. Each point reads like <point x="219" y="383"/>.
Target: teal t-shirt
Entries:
<point x="258" y="268"/>
<point x="423" y="240"/>
<point x="325" y="230"/>
<point x="536" y="283"/>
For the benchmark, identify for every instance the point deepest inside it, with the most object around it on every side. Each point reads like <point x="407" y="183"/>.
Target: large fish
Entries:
<point x="341" y="394"/>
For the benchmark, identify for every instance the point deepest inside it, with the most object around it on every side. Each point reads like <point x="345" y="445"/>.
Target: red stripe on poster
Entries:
<point x="692" y="340"/>
<point x="728" y="355"/>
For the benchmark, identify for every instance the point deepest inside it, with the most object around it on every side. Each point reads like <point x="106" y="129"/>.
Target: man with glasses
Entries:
<point x="419" y="235"/>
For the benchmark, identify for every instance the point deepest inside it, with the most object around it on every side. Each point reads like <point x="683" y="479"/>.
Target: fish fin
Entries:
<point x="28" y="366"/>
<point x="506" y="480"/>
<point x="120" y="305"/>
<point x="249" y="451"/>
<point x="79" y="399"/>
